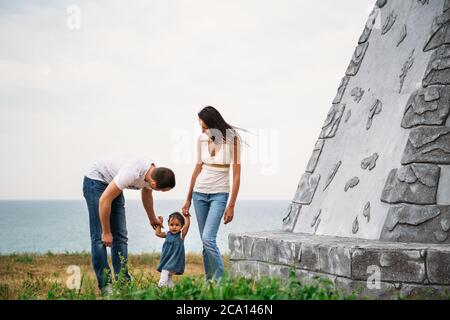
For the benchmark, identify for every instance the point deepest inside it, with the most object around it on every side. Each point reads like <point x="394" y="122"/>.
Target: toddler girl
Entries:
<point x="172" y="255"/>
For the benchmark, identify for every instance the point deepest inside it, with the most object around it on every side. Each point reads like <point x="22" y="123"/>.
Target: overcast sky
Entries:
<point x="83" y="79"/>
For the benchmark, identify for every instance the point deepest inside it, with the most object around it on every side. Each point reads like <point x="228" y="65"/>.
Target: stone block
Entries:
<point x="427" y="107"/>
<point x="236" y="246"/>
<point x="414" y="184"/>
<point x="332" y="121"/>
<point x="428" y="145"/>
<point x="420" y="224"/>
<point x="308" y="257"/>
<point x="335" y="260"/>
<point x="438" y="69"/>
<point x="306" y="188"/>
<point x="394" y="265"/>
<point x="438" y="266"/>
<point x="315" y="156"/>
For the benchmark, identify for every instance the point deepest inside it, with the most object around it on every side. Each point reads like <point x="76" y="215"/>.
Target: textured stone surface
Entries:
<point x="412" y="223"/>
<point x="402" y="35"/>
<point x="385" y="291"/>
<point x="407" y="266"/>
<point x="332" y="122"/>
<point x="288" y="252"/>
<point x="309" y="257"/>
<point x="236" y="246"/>
<point x="415" y="184"/>
<point x="335" y="260"/>
<point x="332" y="174"/>
<point x="341" y="90"/>
<point x="315" y="156"/>
<point x="315" y="218"/>
<point x="346" y="286"/>
<point x="440" y="33"/>
<point x="405" y="69"/>
<point x="306" y="188"/>
<point x="381" y="3"/>
<point x="429" y="145"/>
<point x="346" y="261"/>
<point x="368" y="27"/>
<point x="428" y="106"/>
<point x="369" y="162"/>
<point x="438" y="266"/>
<point x="376" y="108"/>
<point x="353" y="182"/>
<point x="357" y="94"/>
<point x="355" y="226"/>
<point x="366" y="212"/>
<point x="388" y="22"/>
<point x="291" y="218"/>
<point x="438" y="70"/>
<point x="357" y="59"/>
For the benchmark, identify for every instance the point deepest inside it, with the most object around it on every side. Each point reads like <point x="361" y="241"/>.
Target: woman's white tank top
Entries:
<point x="213" y="179"/>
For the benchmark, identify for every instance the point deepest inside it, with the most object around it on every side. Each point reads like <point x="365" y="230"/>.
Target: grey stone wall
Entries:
<point x="409" y="270"/>
<point x="385" y="142"/>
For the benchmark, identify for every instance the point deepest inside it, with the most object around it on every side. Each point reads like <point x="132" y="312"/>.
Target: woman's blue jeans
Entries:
<point x="92" y="191"/>
<point x="209" y="209"/>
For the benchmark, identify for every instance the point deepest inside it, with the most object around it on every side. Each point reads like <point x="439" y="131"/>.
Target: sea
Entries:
<point x="62" y="226"/>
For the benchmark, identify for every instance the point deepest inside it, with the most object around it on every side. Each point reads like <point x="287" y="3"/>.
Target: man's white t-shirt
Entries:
<point x="127" y="172"/>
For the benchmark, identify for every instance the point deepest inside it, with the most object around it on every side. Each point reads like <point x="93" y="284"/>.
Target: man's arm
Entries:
<point x="187" y="223"/>
<point x="147" y="201"/>
<point x="111" y="192"/>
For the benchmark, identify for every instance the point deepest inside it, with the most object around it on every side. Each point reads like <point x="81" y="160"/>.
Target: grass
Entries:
<point x="32" y="276"/>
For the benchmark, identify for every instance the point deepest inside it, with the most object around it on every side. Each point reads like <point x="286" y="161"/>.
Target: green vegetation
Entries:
<point x="196" y="288"/>
<point x="44" y="276"/>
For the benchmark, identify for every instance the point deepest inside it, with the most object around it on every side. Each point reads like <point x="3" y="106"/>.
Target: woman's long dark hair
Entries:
<point x="214" y="120"/>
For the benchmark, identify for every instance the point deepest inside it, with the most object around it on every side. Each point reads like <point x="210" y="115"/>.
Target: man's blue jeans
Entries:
<point x="209" y="209"/>
<point x="92" y="190"/>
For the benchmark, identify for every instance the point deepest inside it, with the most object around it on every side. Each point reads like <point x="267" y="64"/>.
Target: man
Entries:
<point x="103" y="188"/>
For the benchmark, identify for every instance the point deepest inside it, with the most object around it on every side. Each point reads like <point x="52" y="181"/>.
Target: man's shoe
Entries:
<point x="107" y="291"/>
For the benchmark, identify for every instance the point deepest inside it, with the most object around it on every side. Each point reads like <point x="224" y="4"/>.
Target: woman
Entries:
<point x="218" y="149"/>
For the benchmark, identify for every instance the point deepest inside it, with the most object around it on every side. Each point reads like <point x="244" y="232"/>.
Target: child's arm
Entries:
<point x="187" y="223"/>
<point x="158" y="231"/>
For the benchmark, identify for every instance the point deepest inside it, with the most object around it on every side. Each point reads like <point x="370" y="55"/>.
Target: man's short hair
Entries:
<point x="164" y="178"/>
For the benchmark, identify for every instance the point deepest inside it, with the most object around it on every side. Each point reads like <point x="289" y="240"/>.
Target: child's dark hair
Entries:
<point x="178" y="216"/>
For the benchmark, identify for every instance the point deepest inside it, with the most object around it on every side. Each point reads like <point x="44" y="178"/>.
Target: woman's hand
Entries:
<point x="186" y="207"/>
<point x="229" y="214"/>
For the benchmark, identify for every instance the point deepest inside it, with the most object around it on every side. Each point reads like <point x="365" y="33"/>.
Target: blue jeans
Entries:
<point x="209" y="209"/>
<point x="92" y="190"/>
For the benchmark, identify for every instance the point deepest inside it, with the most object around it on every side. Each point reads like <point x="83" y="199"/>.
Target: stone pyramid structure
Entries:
<point x="374" y="201"/>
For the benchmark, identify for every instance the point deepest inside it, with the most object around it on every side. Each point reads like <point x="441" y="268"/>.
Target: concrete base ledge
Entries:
<point x="378" y="269"/>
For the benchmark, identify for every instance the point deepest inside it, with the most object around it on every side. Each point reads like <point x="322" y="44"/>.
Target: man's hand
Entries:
<point x="154" y="222"/>
<point x="186" y="207"/>
<point x="229" y="214"/>
<point x="107" y="239"/>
